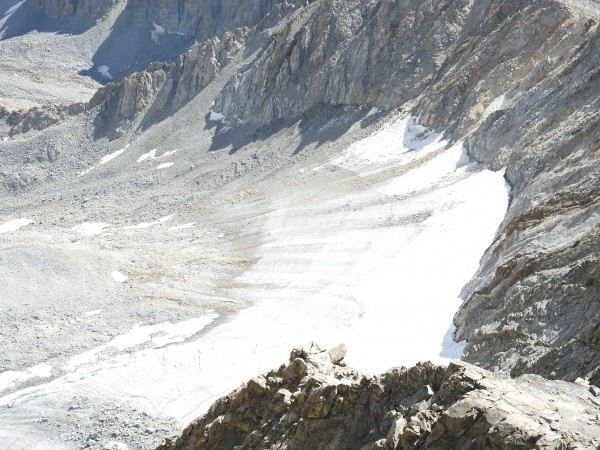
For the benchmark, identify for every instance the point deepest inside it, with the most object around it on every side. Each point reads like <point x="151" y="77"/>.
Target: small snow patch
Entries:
<point x="113" y="445"/>
<point x="496" y="105"/>
<point x="149" y="224"/>
<point x="90" y="228"/>
<point x="372" y="112"/>
<point x="166" y="218"/>
<point x="165" y="165"/>
<point x="182" y="227"/>
<point x="9" y="378"/>
<point x="156" y="33"/>
<point x="216" y="117"/>
<point x="93" y="313"/>
<point x="13" y="8"/>
<point x="112" y="156"/>
<point x="119" y="277"/>
<point x="14" y="225"/>
<point x="105" y="72"/>
<point x="152" y="155"/>
<point x="159" y="335"/>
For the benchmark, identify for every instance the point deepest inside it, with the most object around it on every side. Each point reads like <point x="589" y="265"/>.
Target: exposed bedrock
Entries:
<point x="318" y="402"/>
<point x="66" y="9"/>
<point x="146" y="97"/>
<point x="204" y="19"/>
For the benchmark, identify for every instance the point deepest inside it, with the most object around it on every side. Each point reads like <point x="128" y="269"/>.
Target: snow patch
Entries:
<point x="105" y="72"/>
<point x="372" y="112"/>
<point x="216" y="117"/>
<point x="14" y="225"/>
<point x="156" y="33"/>
<point x="159" y="335"/>
<point x="165" y="165"/>
<point x="182" y="227"/>
<point x="13" y="8"/>
<point x="149" y="224"/>
<point x="93" y="313"/>
<point x="497" y="104"/>
<point x="112" y="156"/>
<point x="150" y="155"/>
<point x="119" y="277"/>
<point x="90" y="228"/>
<point x="401" y="141"/>
<point x="10" y="378"/>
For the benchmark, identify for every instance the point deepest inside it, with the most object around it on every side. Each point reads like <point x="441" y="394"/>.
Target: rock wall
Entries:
<point x="148" y="96"/>
<point x="63" y="10"/>
<point x="316" y="402"/>
<point x="203" y="19"/>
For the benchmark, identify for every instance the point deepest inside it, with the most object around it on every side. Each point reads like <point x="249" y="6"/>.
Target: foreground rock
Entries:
<point x="318" y="402"/>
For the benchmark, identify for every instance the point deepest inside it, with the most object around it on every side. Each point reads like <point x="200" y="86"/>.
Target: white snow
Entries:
<point x="160" y="335"/>
<point x="119" y="277"/>
<point x="112" y="156"/>
<point x="14" y="225"/>
<point x="105" y="72"/>
<point x="156" y="33"/>
<point x="152" y="155"/>
<point x="90" y="228"/>
<point x="13" y="8"/>
<point x="378" y="266"/>
<point x="165" y="165"/>
<point x="9" y="378"/>
<point x="216" y="117"/>
<point x="401" y="142"/>
<point x="149" y="224"/>
<point x="372" y="112"/>
<point x="182" y="227"/>
<point x="93" y="313"/>
<point x="497" y="104"/>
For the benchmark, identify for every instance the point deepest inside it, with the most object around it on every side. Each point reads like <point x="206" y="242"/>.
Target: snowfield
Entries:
<point x="369" y="246"/>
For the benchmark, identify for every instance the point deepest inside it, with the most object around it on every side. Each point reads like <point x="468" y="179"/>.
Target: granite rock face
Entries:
<point x="203" y="19"/>
<point x="63" y="10"/>
<point x="164" y="88"/>
<point x="315" y="402"/>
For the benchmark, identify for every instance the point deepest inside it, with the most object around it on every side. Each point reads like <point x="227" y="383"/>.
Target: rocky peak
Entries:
<point x="316" y="401"/>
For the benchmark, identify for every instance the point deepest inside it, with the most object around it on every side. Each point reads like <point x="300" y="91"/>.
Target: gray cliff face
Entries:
<point x="318" y="402"/>
<point x="147" y="96"/>
<point x="203" y="19"/>
<point x="63" y="10"/>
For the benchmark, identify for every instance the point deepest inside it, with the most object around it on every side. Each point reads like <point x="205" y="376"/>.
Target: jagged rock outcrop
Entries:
<point x="163" y="88"/>
<point x="318" y="402"/>
<point x="41" y="117"/>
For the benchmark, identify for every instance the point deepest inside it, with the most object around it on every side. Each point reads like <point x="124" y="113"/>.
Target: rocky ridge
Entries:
<point x="316" y="401"/>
